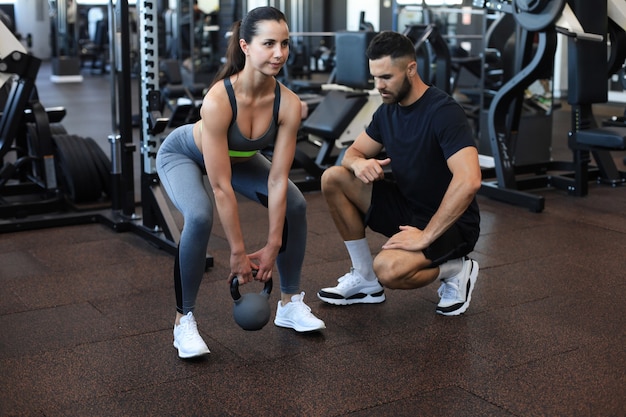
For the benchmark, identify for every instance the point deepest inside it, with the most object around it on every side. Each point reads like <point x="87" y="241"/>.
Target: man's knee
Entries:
<point x="333" y="177"/>
<point x="396" y="270"/>
<point x="386" y="270"/>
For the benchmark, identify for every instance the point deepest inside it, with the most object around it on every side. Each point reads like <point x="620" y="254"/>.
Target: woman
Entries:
<point x="244" y="111"/>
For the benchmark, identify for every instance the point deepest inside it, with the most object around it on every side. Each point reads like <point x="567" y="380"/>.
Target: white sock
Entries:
<point x="361" y="258"/>
<point x="450" y="268"/>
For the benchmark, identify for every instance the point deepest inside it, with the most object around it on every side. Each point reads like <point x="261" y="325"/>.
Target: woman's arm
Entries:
<point x="284" y="149"/>
<point x="214" y="140"/>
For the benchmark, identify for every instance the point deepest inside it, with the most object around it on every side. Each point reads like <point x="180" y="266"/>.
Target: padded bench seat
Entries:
<point x="334" y="113"/>
<point x="609" y="137"/>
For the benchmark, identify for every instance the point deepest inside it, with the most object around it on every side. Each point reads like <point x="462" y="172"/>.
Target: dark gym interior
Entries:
<point x="86" y="263"/>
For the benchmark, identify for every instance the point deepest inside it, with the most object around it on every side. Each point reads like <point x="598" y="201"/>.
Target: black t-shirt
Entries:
<point x="419" y="138"/>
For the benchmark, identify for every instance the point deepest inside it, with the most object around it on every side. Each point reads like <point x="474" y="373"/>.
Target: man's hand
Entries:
<point x="370" y="170"/>
<point x="408" y="238"/>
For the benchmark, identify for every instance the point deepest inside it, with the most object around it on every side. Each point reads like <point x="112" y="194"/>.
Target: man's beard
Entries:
<point x="404" y="91"/>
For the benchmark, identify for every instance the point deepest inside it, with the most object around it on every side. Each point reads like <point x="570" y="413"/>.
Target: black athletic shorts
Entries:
<point x="390" y="209"/>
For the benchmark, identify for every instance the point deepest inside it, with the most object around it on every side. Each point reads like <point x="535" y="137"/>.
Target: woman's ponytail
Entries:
<point x="235" y="58"/>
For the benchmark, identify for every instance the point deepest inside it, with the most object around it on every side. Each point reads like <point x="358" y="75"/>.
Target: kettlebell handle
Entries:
<point x="234" y="287"/>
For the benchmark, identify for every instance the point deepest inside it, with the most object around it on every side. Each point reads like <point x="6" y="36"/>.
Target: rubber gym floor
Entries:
<point x="86" y="317"/>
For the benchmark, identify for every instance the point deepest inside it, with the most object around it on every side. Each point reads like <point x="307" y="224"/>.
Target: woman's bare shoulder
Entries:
<point x="215" y="101"/>
<point x="287" y="93"/>
<point x="290" y="102"/>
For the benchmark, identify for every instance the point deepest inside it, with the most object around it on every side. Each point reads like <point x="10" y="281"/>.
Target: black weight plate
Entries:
<point x="65" y="165"/>
<point x="88" y="184"/>
<point x="538" y="19"/>
<point x="617" y="53"/>
<point x="78" y="176"/>
<point x="57" y="129"/>
<point x="101" y="163"/>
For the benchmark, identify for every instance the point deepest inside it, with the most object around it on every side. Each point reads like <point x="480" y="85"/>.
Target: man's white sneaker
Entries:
<point x="187" y="339"/>
<point x="297" y="315"/>
<point x="456" y="292"/>
<point x="352" y="289"/>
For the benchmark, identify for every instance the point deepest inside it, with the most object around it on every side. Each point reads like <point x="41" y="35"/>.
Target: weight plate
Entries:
<point x="78" y="172"/>
<point x="65" y="165"/>
<point x="617" y="52"/>
<point x="88" y="181"/>
<point x="102" y="163"/>
<point x="57" y="129"/>
<point x="538" y="15"/>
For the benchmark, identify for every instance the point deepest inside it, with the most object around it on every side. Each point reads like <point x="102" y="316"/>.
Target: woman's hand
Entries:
<point x="242" y="268"/>
<point x="264" y="260"/>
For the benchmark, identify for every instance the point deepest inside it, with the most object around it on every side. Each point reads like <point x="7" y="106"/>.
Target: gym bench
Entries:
<point x="329" y="121"/>
<point x="599" y="142"/>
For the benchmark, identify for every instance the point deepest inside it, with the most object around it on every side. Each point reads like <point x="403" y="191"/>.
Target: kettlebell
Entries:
<point x="251" y="311"/>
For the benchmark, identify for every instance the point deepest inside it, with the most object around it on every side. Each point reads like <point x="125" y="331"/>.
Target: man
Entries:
<point x="428" y="211"/>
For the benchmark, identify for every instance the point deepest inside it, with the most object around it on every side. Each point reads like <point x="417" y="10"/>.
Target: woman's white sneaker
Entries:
<point x="187" y="339"/>
<point x="297" y="315"/>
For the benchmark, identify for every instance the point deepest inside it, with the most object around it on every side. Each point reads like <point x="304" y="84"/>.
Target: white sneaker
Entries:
<point x="297" y="315"/>
<point x="456" y="292"/>
<point x="352" y="289"/>
<point x="187" y="339"/>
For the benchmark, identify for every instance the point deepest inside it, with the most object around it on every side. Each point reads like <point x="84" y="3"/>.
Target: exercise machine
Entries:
<point x="511" y="182"/>
<point x="43" y="169"/>
<point x="155" y="221"/>
<point x="587" y="86"/>
<point x="14" y="61"/>
<point x="183" y="100"/>
<point x="434" y="62"/>
<point x="617" y="58"/>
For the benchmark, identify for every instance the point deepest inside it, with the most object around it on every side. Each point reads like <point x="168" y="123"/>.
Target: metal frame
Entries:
<point x="507" y="181"/>
<point x="156" y="223"/>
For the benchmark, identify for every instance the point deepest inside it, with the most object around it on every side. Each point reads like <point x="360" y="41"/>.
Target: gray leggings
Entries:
<point x="180" y="167"/>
